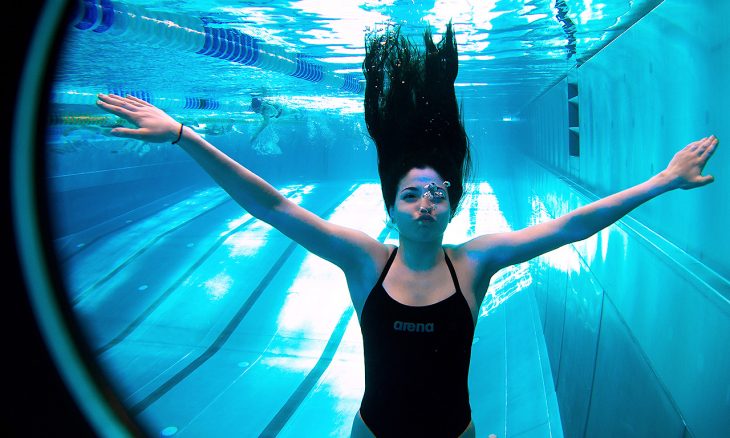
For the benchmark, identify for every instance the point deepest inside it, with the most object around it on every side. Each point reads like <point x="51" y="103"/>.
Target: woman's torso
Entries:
<point x="360" y="282"/>
<point x="417" y="359"/>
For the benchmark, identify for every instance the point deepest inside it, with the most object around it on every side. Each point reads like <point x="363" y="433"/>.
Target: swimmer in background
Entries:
<point x="268" y="110"/>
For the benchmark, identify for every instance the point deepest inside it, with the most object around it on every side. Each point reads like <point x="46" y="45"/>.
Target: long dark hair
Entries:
<point x="411" y="110"/>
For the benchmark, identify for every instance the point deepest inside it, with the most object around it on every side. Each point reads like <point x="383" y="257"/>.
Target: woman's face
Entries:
<point x="422" y="207"/>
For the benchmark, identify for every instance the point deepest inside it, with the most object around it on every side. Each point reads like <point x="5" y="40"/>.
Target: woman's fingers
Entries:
<point x="706" y="179"/>
<point x="127" y="107"/>
<point x="114" y="108"/>
<point x="698" y="181"/>
<point x="694" y="145"/>
<point x="129" y="103"/>
<point x="153" y="124"/>
<point x="704" y="150"/>
<point x="702" y="144"/>
<point x="138" y="133"/>
<point x="709" y="147"/>
<point x="703" y="147"/>
<point x="688" y="164"/>
<point x="111" y="99"/>
<point x="138" y="101"/>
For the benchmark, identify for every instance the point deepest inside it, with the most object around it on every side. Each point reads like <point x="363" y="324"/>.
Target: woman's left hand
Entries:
<point x="685" y="169"/>
<point x="152" y="124"/>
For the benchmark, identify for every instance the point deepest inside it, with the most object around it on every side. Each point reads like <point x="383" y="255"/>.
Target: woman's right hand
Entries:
<point x="153" y="124"/>
<point x="685" y="169"/>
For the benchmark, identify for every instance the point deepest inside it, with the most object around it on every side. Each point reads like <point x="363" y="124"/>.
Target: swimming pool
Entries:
<point x="205" y="321"/>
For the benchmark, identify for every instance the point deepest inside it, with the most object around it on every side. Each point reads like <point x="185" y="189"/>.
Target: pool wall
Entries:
<point x="637" y="318"/>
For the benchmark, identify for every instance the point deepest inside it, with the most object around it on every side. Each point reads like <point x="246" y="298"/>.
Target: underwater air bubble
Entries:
<point x="168" y="431"/>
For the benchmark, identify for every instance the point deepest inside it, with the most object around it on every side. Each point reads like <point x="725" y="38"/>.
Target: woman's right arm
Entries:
<point x="346" y="248"/>
<point x="260" y="129"/>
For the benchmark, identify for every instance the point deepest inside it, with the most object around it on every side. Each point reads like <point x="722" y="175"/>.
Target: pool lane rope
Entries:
<point x="86" y="96"/>
<point x="204" y="37"/>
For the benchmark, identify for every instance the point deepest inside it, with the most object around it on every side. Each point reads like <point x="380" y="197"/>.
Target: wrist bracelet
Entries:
<point x="179" y="134"/>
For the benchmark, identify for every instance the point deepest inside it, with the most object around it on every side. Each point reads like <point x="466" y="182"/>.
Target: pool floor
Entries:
<point x="208" y="322"/>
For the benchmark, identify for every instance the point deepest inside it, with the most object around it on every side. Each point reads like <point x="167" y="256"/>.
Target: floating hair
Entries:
<point x="411" y="110"/>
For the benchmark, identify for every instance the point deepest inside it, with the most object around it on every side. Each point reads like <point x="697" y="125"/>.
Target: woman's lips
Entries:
<point x="426" y="218"/>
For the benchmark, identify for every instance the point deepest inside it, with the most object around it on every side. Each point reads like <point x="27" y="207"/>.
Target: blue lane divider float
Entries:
<point x="87" y="96"/>
<point x="206" y="38"/>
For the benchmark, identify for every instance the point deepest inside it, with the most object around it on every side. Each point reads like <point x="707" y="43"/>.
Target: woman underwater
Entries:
<point x="417" y="303"/>
<point x="267" y="110"/>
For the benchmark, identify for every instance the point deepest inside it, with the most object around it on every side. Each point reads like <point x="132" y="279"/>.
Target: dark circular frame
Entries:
<point x="45" y="25"/>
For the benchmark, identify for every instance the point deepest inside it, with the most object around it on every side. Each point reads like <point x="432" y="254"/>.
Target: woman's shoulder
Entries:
<point x="373" y="255"/>
<point x="472" y="255"/>
<point x="383" y="255"/>
<point x="479" y="246"/>
<point x="456" y="251"/>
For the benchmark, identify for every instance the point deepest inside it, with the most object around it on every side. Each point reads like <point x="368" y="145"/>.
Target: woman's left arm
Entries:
<point x="683" y="172"/>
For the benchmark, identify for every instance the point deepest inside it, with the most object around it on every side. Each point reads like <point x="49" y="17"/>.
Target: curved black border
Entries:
<point x="40" y="403"/>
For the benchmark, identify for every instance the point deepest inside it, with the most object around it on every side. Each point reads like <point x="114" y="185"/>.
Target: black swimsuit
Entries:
<point x="416" y="364"/>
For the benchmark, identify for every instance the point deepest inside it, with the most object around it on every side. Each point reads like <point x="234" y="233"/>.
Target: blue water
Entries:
<point x="208" y="322"/>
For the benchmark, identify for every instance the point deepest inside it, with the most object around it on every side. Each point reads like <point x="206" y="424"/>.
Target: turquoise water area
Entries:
<point x="208" y="322"/>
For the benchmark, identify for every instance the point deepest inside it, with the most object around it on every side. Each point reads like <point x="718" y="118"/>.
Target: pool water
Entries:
<point x="208" y="322"/>
<point x="199" y="301"/>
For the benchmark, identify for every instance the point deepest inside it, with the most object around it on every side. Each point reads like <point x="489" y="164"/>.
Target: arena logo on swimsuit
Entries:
<point x="419" y="327"/>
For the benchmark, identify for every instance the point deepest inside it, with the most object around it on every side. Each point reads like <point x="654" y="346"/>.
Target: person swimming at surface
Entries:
<point x="417" y="302"/>
<point x="268" y="111"/>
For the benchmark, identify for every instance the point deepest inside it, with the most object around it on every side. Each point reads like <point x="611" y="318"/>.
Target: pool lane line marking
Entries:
<point x="76" y="300"/>
<point x="300" y="394"/>
<point x="325" y="359"/>
<point x="214" y="347"/>
<point x="87" y="291"/>
<point x="88" y="244"/>
<point x="170" y="289"/>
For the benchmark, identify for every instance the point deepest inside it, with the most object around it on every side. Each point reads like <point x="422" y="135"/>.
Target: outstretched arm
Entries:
<point x="683" y="172"/>
<point x="262" y="126"/>
<point x="342" y="246"/>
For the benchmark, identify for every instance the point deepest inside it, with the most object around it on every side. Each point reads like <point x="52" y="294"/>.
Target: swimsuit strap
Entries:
<point x="387" y="266"/>
<point x="453" y="272"/>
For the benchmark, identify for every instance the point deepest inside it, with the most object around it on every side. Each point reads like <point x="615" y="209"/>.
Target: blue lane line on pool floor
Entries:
<point x="304" y="388"/>
<point x="228" y="330"/>
<point x="166" y="294"/>
<point x="85" y="293"/>
<point x="325" y="359"/>
<point x="64" y="256"/>
<point x="155" y="304"/>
